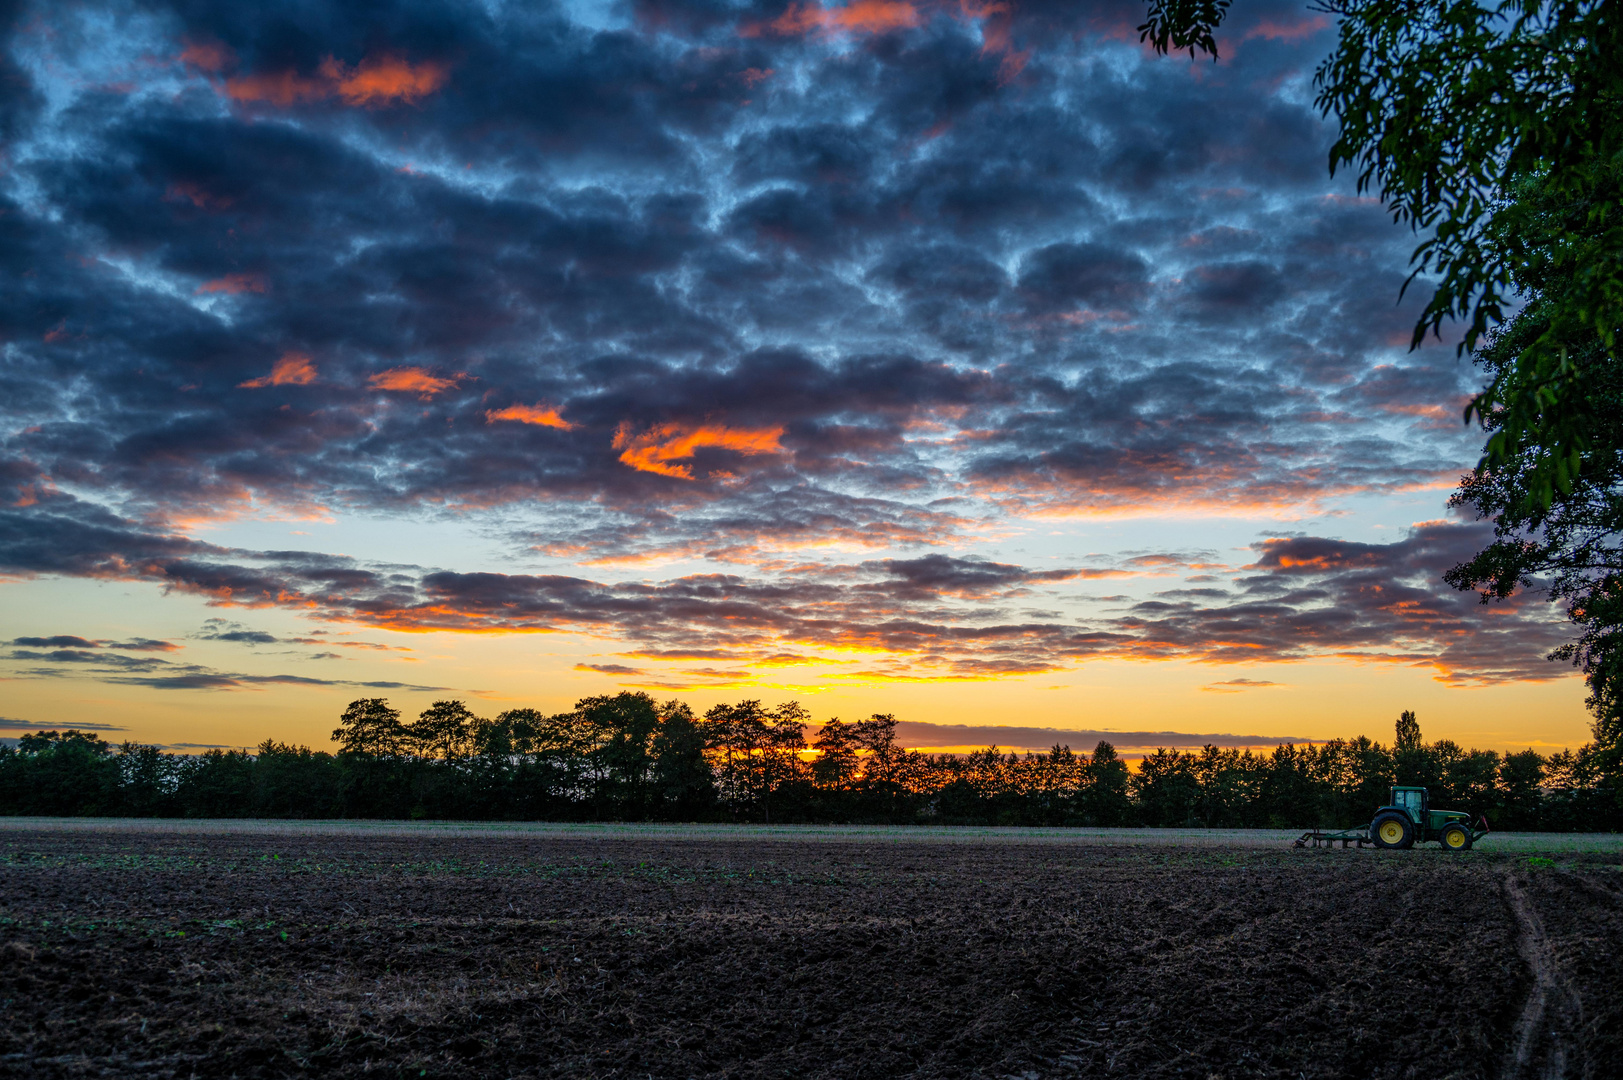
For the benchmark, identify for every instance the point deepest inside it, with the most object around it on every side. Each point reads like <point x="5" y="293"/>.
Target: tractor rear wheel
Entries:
<point x="1455" y="837"/>
<point x="1392" y="831"/>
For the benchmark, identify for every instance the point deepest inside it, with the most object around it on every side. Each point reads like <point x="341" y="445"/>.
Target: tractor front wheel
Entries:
<point x="1455" y="837"/>
<point x="1392" y="831"/>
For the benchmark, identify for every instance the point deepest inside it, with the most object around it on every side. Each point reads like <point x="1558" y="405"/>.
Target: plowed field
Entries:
<point x="154" y="954"/>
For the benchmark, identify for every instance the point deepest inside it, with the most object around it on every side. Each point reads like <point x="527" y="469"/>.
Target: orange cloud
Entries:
<point x="654" y="449"/>
<point x="1292" y="32"/>
<point x="277" y="87"/>
<point x="414" y="380"/>
<point x="544" y="415"/>
<point x="996" y="36"/>
<point x="882" y="16"/>
<point x="374" y="82"/>
<point x="235" y="283"/>
<point x="859" y="17"/>
<point x="293" y="369"/>
<point x="380" y="80"/>
<point x="207" y="55"/>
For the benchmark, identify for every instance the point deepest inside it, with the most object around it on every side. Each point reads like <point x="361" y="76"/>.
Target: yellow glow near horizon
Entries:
<point x="1315" y="700"/>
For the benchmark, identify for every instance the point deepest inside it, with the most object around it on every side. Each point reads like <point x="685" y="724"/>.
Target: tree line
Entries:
<point x="627" y="757"/>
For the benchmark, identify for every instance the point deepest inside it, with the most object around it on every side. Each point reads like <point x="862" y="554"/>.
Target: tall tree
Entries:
<point x="1105" y="792"/>
<point x="622" y="729"/>
<point x="756" y="750"/>
<point x="1408" y="732"/>
<point x="444" y="730"/>
<point x="370" y="727"/>
<point x="836" y="764"/>
<point x="682" y="777"/>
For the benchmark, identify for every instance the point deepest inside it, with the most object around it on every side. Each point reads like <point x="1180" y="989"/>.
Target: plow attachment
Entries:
<point x="1321" y="838"/>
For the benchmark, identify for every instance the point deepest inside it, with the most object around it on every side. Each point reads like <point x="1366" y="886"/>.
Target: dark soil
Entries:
<point x="258" y="956"/>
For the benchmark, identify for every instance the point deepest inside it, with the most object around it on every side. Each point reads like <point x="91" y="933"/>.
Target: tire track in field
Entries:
<point x="1541" y="1045"/>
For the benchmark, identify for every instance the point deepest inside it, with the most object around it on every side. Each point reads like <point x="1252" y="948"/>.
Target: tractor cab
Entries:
<point x="1412" y="801"/>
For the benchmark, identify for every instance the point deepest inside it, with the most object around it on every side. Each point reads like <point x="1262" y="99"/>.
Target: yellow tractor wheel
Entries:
<point x="1455" y="837"/>
<point x="1392" y="830"/>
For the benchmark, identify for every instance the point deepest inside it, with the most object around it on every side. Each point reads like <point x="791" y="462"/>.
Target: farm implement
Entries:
<point x="1404" y="822"/>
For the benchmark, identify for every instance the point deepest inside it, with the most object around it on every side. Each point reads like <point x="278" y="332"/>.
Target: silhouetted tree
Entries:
<point x="621" y="731"/>
<point x="372" y="745"/>
<point x="1166" y="788"/>
<point x="1105" y="800"/>
<point x="369" y="726"/>
<point x="444" y="730"/>
<point x="682" y="777"/>
<point x="1408" y="732"/>
<point x="1520" y="775"/>
<point x="147" y="781"/>
<point x="68" y="774"/>
<point x="1471" y="778"/>
<point x="755" y="751"/>
<point x="836" y="764"/>
<point x="216" y="784"/>
<point x="295" y="782"/>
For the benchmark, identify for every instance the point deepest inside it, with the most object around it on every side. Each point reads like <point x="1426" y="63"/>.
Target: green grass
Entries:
<point x="1505" y="842"/>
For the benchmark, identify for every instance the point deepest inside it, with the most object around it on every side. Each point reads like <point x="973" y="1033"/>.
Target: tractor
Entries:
<point x="1405" y="821"/>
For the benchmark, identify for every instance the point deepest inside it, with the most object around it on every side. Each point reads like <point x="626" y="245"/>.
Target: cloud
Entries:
<point x="293" y="369"/>
<point x="1287" y="29"/>
<point x="609" y="669"/>
<point x="374" y="82"/>
<point x="858" y="16"/>
<point x="1084" y="275"/>
<point x="654" y="450"/>
<point x="80" y="658"/>
<point x="944" y="575"/>
<point x="1233" y="686"/>
<point x="413" y="380"/>
<point x="211" y="56"/>
<point x="142" y="645"/>
<point x="74" y="642"/>
<point x="961" y="737"/>
<point x="236" y="283"/>
<point x="540" y="415"/>
<point x="381" y="80"/>
<point x="10" y="724"/>
<point x="109" y="661"/>
<point x="62" y="641"/>
<point x="242" y="637"/>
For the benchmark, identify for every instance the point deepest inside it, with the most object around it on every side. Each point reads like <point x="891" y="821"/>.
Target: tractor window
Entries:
<point x="1410" y="801"/>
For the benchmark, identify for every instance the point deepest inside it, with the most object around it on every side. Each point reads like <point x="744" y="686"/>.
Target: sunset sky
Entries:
<point x="958" y="360"/>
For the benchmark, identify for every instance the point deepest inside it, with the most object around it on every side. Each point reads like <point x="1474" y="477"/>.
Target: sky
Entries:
<point x="957" y="360"/>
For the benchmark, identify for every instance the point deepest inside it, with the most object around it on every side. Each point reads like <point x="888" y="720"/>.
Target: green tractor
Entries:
<point x="1405" y="821"/>
<point x="1409" y="819"/>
